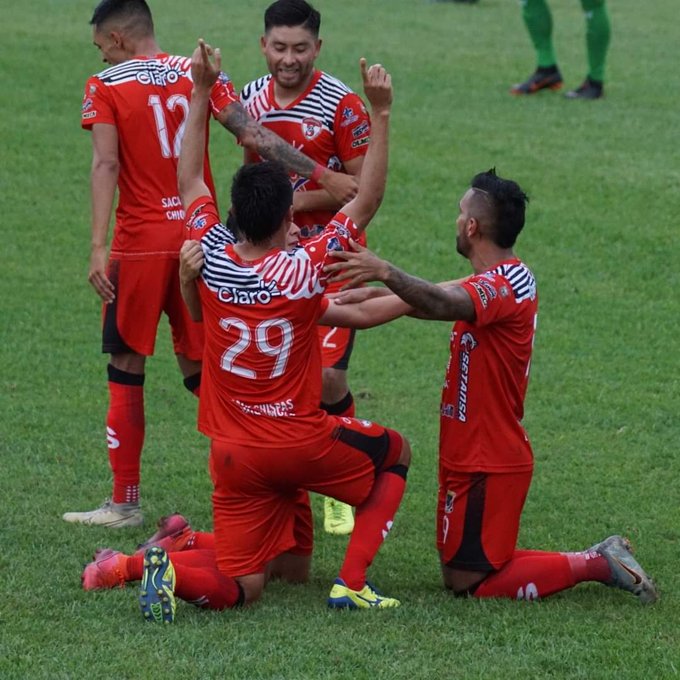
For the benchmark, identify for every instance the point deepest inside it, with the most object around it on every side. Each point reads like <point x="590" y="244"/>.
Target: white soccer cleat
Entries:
<point x="109" y="514"/>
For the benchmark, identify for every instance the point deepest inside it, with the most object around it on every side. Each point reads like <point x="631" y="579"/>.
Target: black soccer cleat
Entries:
<point x="541" y="79"/>
<point x="590" y="89"/>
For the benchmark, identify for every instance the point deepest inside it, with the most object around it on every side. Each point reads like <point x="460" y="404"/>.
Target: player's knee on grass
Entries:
<point x="290" y="568"/>
<point x="252" y="586"/>
<point x="462" y="582"/>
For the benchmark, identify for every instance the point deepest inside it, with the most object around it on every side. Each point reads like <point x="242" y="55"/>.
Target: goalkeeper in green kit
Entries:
<point x="538" y="20"/>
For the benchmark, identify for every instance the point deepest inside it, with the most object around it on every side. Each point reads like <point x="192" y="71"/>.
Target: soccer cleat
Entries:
<point x="157" y="591"/>
<point x="540" y="79"/>
<point x="109" y="514"/>
<point x="174" y="534"/>
<point x="338" y="518"/>
<point x="627" y="573"/>
<point x="343" y="597"/>
<point x="589" y="89"/>
<point x="106" y="571"/>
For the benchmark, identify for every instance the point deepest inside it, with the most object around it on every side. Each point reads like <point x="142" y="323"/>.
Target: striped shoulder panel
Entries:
<point x="521" y="280"/>
<point x="252" y="88"/>
<point x="164" y="71"/>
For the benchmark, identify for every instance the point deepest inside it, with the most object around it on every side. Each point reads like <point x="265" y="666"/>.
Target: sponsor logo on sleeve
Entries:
<point x="360" y="142"/>
<point x="348" y="116"/>
<point x="483" y="298"/>
<point x="89" y="114"/>
<point x="448" y="503"/>
<point x="87" y="104"/>
<point x="360" y="130"/>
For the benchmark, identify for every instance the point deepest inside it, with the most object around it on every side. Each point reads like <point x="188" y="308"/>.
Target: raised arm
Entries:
<point x="255" y="137"/>
<point x="378" y="90"/>
<point x="204" y="73"/>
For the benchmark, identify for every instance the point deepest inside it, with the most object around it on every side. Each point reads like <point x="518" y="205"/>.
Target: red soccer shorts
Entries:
<point x="478" y="517"/>
<point x="144" y="289"/>
<point x="257" y="510"/>
<point x="336" y="346"/>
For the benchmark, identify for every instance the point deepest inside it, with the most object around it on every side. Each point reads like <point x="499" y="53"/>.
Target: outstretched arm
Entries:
<point x="372" y="312"/>
<point x="204" y="72"/>
<point x="378" y="89"/>
<point x="447" y="302"/>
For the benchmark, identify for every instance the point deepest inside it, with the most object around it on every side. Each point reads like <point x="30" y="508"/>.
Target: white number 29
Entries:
<point x="176" y="100"/>
<point x="281" y="350"/>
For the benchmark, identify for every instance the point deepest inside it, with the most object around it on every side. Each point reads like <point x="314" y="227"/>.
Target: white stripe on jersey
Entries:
<point x="321" y="102"/>
<point x="521" y="280"/>
<point x="163" y="71"/>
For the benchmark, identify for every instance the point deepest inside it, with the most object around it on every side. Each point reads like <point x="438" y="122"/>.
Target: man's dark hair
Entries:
<point x="132" y="15"/>
<point x="505" y="206"/>
<point x="261" y="194"/>
<point x="292" y="13"/>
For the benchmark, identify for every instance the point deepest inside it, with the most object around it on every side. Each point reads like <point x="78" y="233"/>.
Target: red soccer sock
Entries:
<point x="125" y="433"/>
<point x="533" y="573"/>
<point x="372" y="523"/>
<point x="197" y="579"/>
<point x="201" y="540"/>
<point x="528" y="577"/>
<point x="343" y="408"/>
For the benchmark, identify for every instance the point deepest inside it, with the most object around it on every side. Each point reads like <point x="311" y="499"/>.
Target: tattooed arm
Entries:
<point x="429" y="300"/>
<point x="255" y="137"/>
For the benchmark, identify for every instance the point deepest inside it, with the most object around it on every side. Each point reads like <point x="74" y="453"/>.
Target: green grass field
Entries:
<point x="602" y="408"/>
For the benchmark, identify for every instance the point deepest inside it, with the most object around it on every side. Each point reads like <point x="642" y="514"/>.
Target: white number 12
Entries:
<point x="176" y="100"/>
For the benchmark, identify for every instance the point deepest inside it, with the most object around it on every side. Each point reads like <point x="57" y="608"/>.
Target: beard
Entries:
<point x="462" y="246"/>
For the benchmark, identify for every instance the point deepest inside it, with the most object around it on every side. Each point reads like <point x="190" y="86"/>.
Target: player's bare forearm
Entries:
<point x="192" y="298"/>
<point x="378" y="89"/>
<point x="366" y="314"/>
<point x="317" y="199"/>
<point x="205" y="66"/>
<point x="429" y="300"/>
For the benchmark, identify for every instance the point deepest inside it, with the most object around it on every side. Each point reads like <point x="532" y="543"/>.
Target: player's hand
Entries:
<point x="97" y="275"/>
<point x="343" y="188"/>
<point x="356" y="295"/>
<point x="377" y="86"/>
<point x="190" y="261"/>
<point x="206" y="65"/>
<point x="357" y="266"/>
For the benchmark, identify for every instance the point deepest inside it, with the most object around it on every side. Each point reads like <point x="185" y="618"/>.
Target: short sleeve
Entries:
<point x="97" y="106"/>
<point x="492" y="297"/>
<point x="352" y="128"/>
<point x="201" y="217"/>
<point x="335" y="237"/>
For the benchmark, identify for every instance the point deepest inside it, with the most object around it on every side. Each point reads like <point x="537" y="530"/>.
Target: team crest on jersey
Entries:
<point x="448" y="503"/>
<point x="504" y="291"/>
<point x="311" y="231"/>
<point x="348" y="116"/>
<point x="224" y="78"/>
<point x="93" y="89"/>
<point x="333" y="244"/>
<point x="311" y="128"/>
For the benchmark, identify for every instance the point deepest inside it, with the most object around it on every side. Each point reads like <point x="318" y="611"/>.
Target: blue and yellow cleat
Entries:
<point x="157" y="591"/>
<point x="342" y="597"/>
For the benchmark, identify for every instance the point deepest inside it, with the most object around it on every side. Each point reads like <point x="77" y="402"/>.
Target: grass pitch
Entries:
<point x="602" y="406"/>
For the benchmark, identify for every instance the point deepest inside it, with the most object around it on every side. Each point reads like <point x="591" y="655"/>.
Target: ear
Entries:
<point x="317" y="47"/>
<point x="263" y="42"/>
<point x="117" y="38"/>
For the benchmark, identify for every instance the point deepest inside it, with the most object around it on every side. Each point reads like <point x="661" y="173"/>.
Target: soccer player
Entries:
<point x="260" y="392"/>
<point x="136" y="110"/>
<point x="485" y="458"/>
<point x="538" y="20"/>
<point x="320" y="115"/>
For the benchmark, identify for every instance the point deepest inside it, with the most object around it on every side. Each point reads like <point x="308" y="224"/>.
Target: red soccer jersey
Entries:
<point x="327" y="122"/>
<point x="261" y="376"/>
<point x="487" y="375"/>
<point x="147" y="99"/>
